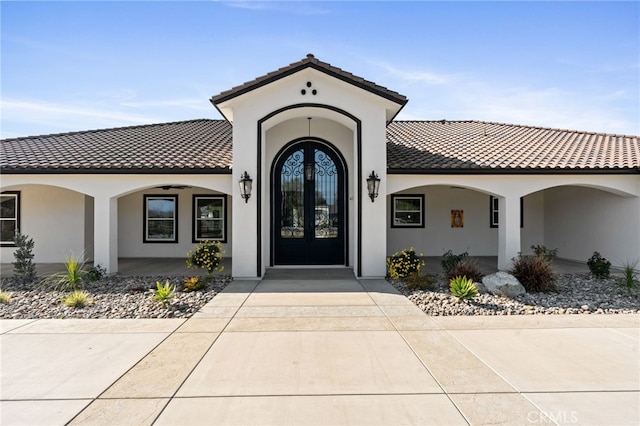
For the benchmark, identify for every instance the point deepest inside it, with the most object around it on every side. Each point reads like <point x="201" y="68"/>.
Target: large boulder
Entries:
<point x="503" y="284"/>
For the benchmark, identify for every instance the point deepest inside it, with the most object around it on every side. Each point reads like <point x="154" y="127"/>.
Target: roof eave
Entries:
<point x="510" y="171"/>
<point x="112" y="171"/>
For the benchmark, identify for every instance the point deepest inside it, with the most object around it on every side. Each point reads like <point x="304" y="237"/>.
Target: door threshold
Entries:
<point x="309" y="267"/>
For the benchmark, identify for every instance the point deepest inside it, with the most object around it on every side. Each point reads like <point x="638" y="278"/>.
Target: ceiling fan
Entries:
<point x="168" y="187"/>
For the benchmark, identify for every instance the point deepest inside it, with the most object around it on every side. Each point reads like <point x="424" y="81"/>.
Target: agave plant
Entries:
<point x="163" y="293"/>
<point x="463" y="288"/>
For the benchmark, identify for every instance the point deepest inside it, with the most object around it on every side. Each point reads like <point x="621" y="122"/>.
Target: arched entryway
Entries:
<point x="309" y="214"/>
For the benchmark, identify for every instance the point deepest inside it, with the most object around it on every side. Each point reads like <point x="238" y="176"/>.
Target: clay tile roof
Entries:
<point x="180" y="147"/>
<point x="310" y="62"/>
<point x="477" y="146"/>
<point x="205" y="146"/>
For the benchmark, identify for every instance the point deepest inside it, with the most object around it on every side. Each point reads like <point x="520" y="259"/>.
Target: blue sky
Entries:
<point x="70" y="66"/>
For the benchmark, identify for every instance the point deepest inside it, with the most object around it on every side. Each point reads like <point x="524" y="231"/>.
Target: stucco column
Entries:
<point x="373" y="215"/>
<point x="105" y="217"/>
<point x="245" y="213"/>
<point x="508" y="230"/>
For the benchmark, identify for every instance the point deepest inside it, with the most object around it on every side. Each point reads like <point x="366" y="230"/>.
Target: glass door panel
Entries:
<point x="326" y="196"/>
<point x="292" y="196"/>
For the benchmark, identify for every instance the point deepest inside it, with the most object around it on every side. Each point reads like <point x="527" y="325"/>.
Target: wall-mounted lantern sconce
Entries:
<point x="245" y="186"/>
<point x="373" y="185"/>
<point x="310" y="171"/>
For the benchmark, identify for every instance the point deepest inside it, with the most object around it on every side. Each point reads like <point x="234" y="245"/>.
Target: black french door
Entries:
<point x="309" y="219"/>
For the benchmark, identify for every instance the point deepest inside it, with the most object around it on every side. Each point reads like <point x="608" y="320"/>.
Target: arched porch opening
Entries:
<point x="58" y="219"/>
<point x="580" y="219"/>
<point x="100" y="218"/>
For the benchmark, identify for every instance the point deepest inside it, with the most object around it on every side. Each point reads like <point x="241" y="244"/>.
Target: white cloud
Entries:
<point x="414" y="76"/>
<point x="199" y="104"/>
<point x="296" y="7"/>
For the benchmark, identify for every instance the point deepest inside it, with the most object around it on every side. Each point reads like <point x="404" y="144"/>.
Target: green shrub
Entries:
<point x="193" y="284"/>
<point x="545" y="253"/>
<point x="450" y="260"/>
<point x="415" y="281"/>
<point x="534" y="273"/>
<point x="5" y="296"/>
<point x="24" y="269"/>
<point x="95" y="273"/>
<point x="599" y="266"/>
<point x="466" y="267"/>
<point x="402" y="264"/>
<point x="463" y="288"/>
<point x="629" y="279"/>
<point x="163" y="293"/>
<point x="77" y="299"/>
<point x="206" y="255"/>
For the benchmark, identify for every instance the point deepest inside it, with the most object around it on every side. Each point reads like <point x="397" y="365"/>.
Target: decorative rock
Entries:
<point x="503" y="284"/>
<point x="114" y="297"/>
<point x="574" y="291"/>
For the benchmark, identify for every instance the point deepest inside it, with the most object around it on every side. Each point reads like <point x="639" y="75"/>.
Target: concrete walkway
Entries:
<point x="321" y="349"/>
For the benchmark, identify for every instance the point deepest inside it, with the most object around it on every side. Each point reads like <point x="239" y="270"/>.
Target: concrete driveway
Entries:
<point x="321" y="349"/>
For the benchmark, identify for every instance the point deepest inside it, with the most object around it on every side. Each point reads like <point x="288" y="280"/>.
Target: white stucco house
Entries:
<point x="309" y="136"/>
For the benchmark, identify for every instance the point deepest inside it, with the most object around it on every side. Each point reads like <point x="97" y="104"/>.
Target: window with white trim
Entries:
<point x="160" y="219"/>
<point x="9" y="217"/>
<point x="210" y="218"/>
<point x="407" y="211"/>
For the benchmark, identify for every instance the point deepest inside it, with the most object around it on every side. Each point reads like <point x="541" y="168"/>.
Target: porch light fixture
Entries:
<point x="309" y="171"/>
<point x="373" y="185"/>
<point x="245" y="186"/>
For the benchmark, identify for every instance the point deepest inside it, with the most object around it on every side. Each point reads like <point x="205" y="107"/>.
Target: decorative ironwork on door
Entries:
<point x="292" y="189"/>
<point x="309" y="211"/>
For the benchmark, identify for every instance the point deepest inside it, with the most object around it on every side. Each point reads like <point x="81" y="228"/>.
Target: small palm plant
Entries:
<point x="463" y="288"/>
<point x="163" y="293"/>
<point x="71" y="279"/>
<point x="629" y="279"/>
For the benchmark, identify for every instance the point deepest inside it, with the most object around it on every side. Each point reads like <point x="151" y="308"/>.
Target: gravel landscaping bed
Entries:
<point x="119" y="297"/>
<point x="577" y="294"/>
<point x="113" y="297"/>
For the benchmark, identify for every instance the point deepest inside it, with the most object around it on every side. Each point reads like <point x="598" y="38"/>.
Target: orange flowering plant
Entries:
<point x="206" y="255"/>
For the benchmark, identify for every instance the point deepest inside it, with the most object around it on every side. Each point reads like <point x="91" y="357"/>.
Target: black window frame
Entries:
<point x="195" y="219"/>
<point x="145" y="232"/>
<point x="394" y="197"/>
<point x="17" y="210"/>
<point x="494" y="210"/>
